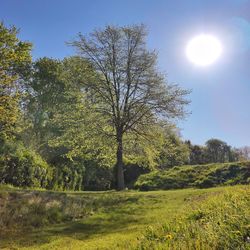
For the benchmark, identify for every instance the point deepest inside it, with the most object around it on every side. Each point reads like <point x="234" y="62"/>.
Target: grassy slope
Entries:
<point x="221" y="221"/>
<point x="201" y="176"/>
<point x="117" y="221"/>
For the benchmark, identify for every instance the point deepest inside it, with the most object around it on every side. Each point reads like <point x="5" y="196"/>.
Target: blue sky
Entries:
<point x="220" y="93"/>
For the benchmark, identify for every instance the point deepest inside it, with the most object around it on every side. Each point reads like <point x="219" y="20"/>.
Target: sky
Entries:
<point x="220" y="95"/>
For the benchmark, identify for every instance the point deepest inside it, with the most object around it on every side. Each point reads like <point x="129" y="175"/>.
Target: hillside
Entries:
<point x="199" y="176"/>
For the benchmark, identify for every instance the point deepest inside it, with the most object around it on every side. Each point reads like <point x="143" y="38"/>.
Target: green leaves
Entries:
<point x="23" y="167"/>
<point x="14" y="55"/>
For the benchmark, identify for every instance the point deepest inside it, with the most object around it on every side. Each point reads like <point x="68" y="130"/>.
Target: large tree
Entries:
<point x="14" y="55"/>
<point x="130" y="92"/>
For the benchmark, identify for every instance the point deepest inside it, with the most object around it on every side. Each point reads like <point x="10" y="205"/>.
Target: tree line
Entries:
<point x="95" y="120"/>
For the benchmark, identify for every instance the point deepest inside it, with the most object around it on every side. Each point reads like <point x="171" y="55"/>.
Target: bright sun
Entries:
<point x="203" y="50"/>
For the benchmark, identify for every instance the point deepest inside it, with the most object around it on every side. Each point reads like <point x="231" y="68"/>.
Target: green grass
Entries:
<point x="219" y="222"/>
<point x="109" y="220"/>
<point x="198" y="176"/>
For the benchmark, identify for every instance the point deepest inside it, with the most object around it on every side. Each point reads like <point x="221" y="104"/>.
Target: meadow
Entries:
<point x="175" y="219"/>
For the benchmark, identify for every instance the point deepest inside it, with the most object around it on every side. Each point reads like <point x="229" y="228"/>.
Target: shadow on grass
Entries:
<point x="109" y="220"/>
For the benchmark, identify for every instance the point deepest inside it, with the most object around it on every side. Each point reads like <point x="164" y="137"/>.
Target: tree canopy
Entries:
<point x="14" y="55"/>
<point x="130" y="91"/>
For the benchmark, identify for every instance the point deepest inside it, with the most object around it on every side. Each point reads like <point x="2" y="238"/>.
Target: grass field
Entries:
<point x="117" y="220"/>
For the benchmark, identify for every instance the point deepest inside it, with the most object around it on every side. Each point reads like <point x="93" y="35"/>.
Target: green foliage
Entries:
<point x="144" y="150"/>
<point x="174" y="152"/>
<point x="214" y="151"/>
<point x="44" y="95"/>
<point x="220" y="222"/>
<point x="97" y="177"/>
<point x="22" y="167"/>
<point x="67" y="175"/>
<point x="197" y="154"/>
<point x="132" y="172"/>
<point x="64" y="128"/>
<point x="14" y="55"/>
<point x="202" y="176"/>
<point x="130" y="93"/>
<point x="218" y="151"/>
<point x="68" y="132"/>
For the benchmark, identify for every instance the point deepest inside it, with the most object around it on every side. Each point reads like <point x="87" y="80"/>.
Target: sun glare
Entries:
<point x="203" y="50"/>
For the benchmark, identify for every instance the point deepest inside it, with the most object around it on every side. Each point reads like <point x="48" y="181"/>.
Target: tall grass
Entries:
<point x="24" y="210"/>
<point x="220" y="222"/>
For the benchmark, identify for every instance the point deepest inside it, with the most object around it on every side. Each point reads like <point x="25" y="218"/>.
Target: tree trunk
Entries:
<point x="119" y="164"/>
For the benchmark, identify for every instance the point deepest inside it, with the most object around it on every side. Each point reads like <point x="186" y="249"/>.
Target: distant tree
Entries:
<point x="130" y="92"/>
<point x="243" y="153"/>
<point x="214" y="151"/>
<point x="197" y="154"/>
<point x="219" y="151"/>
<point x="14" y="55"/>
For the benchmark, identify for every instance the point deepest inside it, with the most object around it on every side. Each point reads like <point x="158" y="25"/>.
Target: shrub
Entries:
<point x="23" y="167"/>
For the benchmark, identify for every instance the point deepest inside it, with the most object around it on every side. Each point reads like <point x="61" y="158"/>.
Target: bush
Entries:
<point x="23" y="167"/>
<point x="206" y="182"/>
<point x="97" y="177"/>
